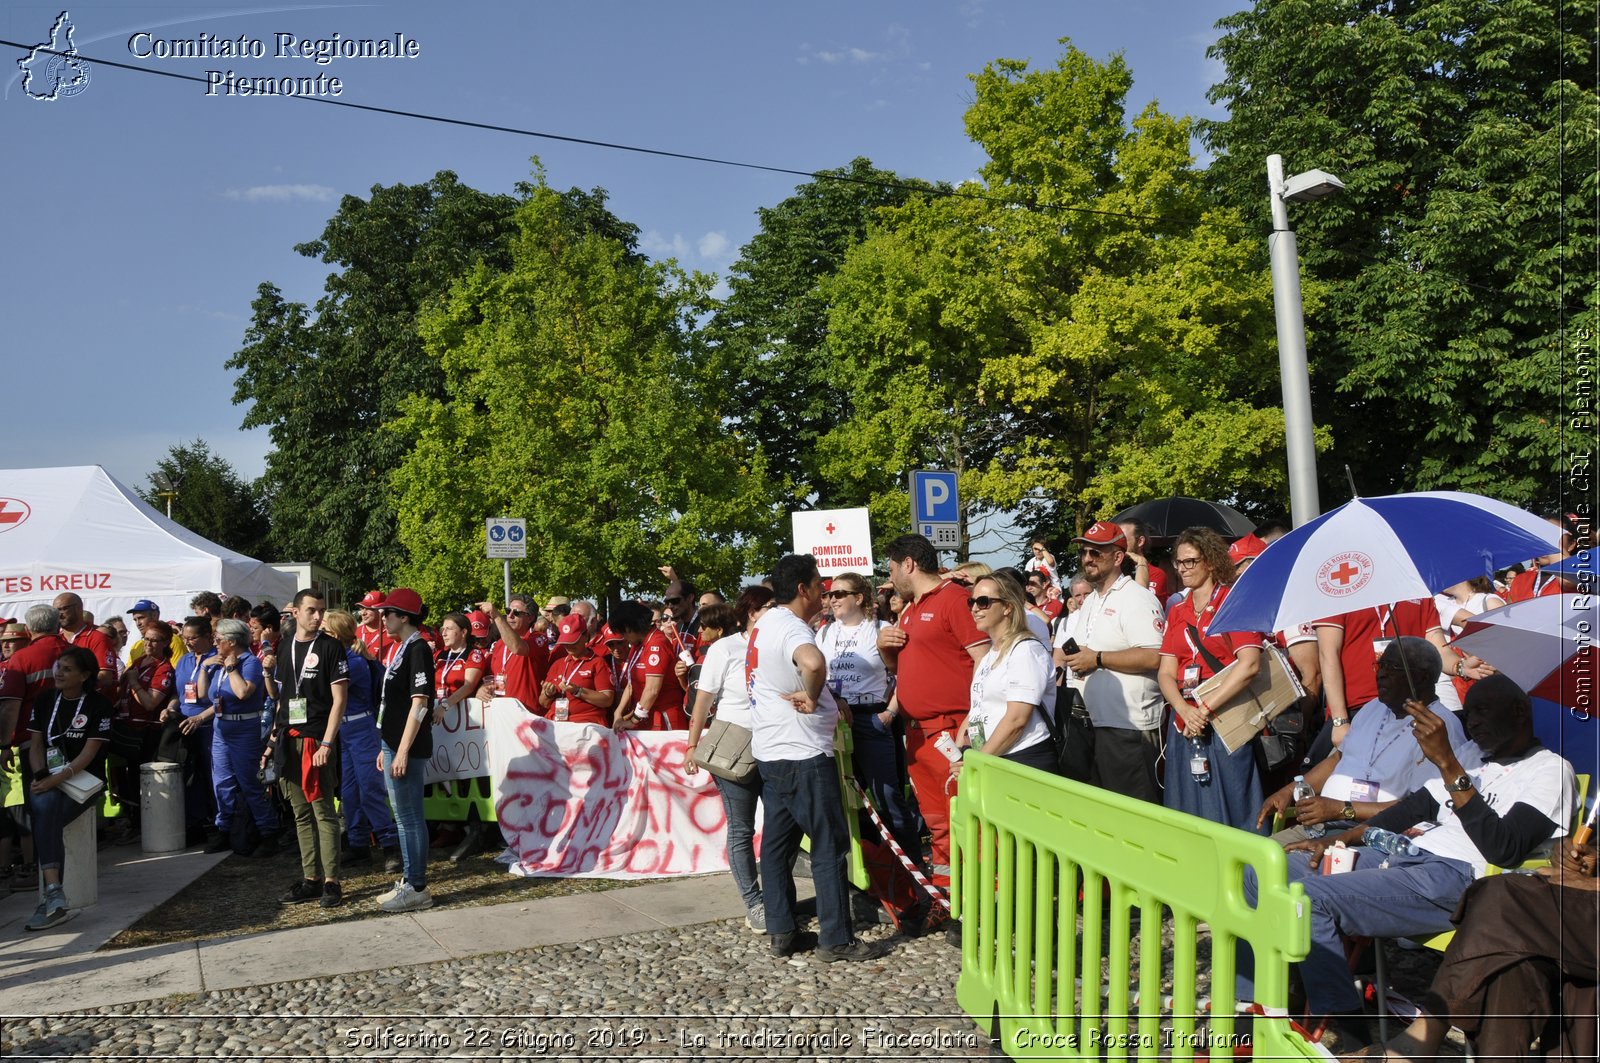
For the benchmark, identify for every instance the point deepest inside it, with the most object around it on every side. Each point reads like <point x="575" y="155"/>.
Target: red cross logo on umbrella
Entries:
<point x="13" y="511"/>
<point x="1344" y="573"/>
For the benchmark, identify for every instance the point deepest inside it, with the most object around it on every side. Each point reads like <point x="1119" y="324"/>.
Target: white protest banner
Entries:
<point x="581" y="801"/>
<point x="840" y="539"/>
<point x="458" y="751"/>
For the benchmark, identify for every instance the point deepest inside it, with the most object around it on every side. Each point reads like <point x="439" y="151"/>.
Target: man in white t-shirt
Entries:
<point x="793" y="716"/>
<point x="1119" y="631"/>
<point x="1380" y="760"/>
<point x="1518" y="800"/>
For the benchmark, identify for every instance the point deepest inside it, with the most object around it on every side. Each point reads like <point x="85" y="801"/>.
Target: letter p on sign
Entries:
<point x="933" y="497"/>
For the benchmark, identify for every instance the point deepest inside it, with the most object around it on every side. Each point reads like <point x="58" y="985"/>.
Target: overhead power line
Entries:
<point x="815" y="175"/>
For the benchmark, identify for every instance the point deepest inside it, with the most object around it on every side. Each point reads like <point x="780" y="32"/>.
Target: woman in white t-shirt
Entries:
<point x="860" y="681"/>
<point x="1011" y="683"/>
<point x="722" y="683"/>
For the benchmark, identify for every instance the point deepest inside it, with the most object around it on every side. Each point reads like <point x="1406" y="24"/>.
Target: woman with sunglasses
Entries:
<point x="233" y="680"/>
<point x="68" y="731"/>
<point x="1011" y="687"/>
<point x="1202" y="777"/>
<point x="405" y="710"/>
<point x="860" y="682"/>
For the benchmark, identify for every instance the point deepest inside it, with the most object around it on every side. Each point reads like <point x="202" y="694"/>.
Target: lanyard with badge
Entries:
<point x="298" y="714"/>
<point x="395" y="664"/>
<point x="563" y="704"/>
<point x="191" y="689"/>
<point x="55" y="760"/>
<point x="1367" y="789"/>
<point x="451" y="659"/>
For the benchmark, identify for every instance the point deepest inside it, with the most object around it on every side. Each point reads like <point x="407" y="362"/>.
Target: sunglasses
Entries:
<point x="983" y="601"/>
<point x="674" y="600"/>
<point x="841" y="594"/>
<point x="1089" y="551"/>
<point x="516" y="612"/>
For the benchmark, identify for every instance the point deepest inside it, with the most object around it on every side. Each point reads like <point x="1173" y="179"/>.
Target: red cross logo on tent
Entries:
<point x="13" y="511"/>
<point x="1344" y="573"/>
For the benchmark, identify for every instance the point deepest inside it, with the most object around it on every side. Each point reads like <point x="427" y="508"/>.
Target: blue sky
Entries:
<point x="141" y="214"/>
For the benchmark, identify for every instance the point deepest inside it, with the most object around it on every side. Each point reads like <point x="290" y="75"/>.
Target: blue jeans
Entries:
<point x="406" y="797"/>
<point x="739" y="800"/>
<point x="362" y="793"/>
<point x="878" y="767"/>
<point x="51" y="812"/>
<point x="802" y="797"/>
<point x="1413" y="895"/>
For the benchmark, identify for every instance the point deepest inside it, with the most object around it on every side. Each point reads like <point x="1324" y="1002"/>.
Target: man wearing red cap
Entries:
<point x="375" y="641"/>
<point x="520" y="659"/>
<point x="932" y="651"/>
<point x="1119" y="633"/>
<point x="578" y="687"/>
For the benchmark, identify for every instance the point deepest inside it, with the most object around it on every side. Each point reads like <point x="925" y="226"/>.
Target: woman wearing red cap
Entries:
<point x="578" y="687"/>
<point x="405" y="702"/>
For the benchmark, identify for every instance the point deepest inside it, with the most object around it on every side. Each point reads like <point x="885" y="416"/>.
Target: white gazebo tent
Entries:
<point x="77" y="529"/>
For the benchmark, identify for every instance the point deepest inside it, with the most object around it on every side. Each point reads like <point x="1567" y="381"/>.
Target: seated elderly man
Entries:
<point x="1518" y="800"/>
<point x="1380" y="759"/>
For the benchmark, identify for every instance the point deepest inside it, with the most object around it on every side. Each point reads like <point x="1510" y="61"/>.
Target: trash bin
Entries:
<point x="161" y="807"/>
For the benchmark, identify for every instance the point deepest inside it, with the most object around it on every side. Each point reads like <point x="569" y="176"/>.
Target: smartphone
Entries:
<point x="1070" y="647"/>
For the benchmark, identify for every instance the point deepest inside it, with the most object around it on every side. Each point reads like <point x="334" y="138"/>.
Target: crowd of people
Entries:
<point x="1403" y="733"/>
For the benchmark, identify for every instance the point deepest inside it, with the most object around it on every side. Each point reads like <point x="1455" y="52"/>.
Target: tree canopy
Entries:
<point x="1461" y="252"/>
<point x="210" y="498"/>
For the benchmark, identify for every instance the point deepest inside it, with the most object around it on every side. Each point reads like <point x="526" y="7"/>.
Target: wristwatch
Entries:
<point x="1461" y="785"/>
<point x="1340" y="721"/>
<point x="1348" y="811"/>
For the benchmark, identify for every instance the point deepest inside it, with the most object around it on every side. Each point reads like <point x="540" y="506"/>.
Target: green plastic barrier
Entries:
<point x="1030" y="849"/>
<point x="453" y="801"/>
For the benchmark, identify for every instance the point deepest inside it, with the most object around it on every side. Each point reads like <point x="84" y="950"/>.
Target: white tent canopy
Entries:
<point x="77" y="529"/>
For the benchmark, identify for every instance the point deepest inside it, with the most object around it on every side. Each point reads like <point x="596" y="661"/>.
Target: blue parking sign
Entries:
<point x="933" y="497"/>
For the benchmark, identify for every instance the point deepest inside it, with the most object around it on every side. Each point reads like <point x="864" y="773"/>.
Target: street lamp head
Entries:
<point x="1311" y="185"/>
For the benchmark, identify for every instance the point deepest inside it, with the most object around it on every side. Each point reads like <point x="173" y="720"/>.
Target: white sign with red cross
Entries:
<point x="840" y="539"/>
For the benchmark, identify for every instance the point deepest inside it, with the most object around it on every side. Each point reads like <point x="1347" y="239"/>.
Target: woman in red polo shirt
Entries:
<point x="460" y="666"/>
<point x="653" y="700"/>
<point x="1202" y="777"/>
<point x="577" y="688"/>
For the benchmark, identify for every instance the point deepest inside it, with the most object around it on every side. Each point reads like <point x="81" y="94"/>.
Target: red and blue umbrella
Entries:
<point x="1374" y="551"/>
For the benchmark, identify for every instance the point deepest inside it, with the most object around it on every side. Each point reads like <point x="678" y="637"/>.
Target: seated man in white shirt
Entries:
<point x="1508" y="809"/>
<point x="1380" y="759"/>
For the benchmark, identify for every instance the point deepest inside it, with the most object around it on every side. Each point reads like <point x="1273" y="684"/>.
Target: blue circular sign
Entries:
<point x="497" y="532"/>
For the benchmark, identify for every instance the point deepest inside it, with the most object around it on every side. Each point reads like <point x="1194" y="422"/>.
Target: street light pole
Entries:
<point x="1304" y="502"/>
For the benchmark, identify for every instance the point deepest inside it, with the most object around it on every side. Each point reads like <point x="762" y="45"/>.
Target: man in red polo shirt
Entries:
<point x="77" y="631"/>
<point x="932" y="652"/>
<point x="36" y="662"/>
<point x="577" y="688"/>
<point x="520" y="659"/>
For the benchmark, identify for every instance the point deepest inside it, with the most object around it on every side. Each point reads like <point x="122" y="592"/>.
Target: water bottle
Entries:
<point x="1303" y="790"/>
<point x="1388" y="842"/>
<point x="1199" y="763"/>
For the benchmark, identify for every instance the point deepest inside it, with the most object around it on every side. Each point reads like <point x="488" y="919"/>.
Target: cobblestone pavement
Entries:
<point x="708" y="991"/>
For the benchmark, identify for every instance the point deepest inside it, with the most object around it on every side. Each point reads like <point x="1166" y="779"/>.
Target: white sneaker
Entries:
<point x="393" y="891"/>
<point x="405" y="899"/>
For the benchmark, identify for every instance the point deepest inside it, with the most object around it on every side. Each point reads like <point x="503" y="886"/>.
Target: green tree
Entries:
<point x="1461" y="253"/>
<point x="571" y="399"/>
<point x="769" y="336"/>
<point x="209" y="498"/>
<point x="1063" y="319"/>
<point x="326" y="383"/>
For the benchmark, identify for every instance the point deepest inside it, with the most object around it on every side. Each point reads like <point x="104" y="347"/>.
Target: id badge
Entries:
<point x="191" y="692"/>
<point x="55" y="760"/>
<point x="297" y="711"/>
<point x="1378" y="646"/>
<point x="1363" y="790"/>
<point x="439" y="694"/>
<point x="1191" y="679"/>
<point x="562" y="705"/>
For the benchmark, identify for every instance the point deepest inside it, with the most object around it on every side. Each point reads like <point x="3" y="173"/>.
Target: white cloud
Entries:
<point x="654" y="244"/>
<point x="851" y="54"/>
<point x="713" y="245"/>
<point x="281" y="193"/>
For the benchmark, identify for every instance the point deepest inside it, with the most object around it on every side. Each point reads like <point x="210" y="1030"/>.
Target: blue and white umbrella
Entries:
<point x="1374" y="551"/>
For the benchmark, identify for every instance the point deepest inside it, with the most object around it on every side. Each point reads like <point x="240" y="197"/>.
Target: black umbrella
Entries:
<point x="1166" y="517"/>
